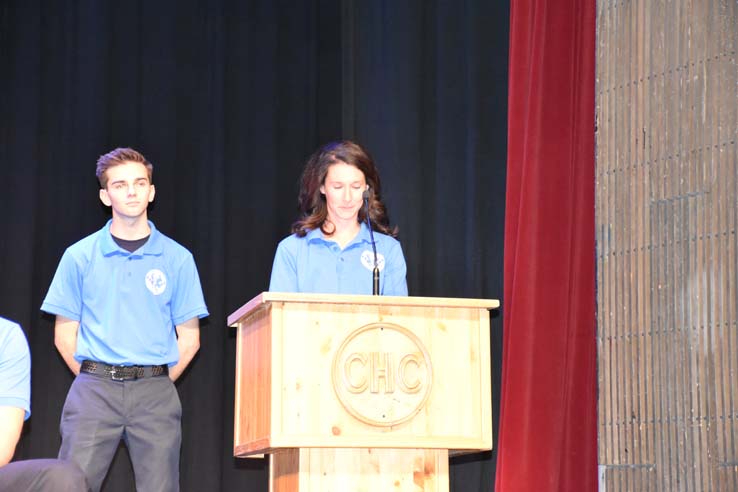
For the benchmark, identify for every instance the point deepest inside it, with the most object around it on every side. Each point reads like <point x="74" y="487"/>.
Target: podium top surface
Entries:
<point x="269" y="297"/>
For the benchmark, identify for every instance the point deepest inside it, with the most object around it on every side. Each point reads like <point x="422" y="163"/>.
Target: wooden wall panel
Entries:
<point x="667" y="263"/>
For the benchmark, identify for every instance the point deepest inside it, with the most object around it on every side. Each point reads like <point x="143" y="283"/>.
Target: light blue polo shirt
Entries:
<point x="15" y="367"/>
<point x="127" y="304"/>
<point x="316" y="264"/>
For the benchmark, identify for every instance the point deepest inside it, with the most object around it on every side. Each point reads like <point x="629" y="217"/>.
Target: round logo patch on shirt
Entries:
<point x="367" y="259"/>
<point x="156" y="281"/>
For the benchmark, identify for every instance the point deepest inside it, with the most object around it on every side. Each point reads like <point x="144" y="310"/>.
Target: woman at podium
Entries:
<point x="342" y="242"/>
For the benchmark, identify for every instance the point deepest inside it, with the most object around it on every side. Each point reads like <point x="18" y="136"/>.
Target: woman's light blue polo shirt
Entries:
<point x="127" y="304"/>
<point x="316" y="264"/>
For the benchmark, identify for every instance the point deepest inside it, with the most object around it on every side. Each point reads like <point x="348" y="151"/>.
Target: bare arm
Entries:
<point x="65" y="339"/>
<point x="188" y="343"/>
<point x="11" y="423"/>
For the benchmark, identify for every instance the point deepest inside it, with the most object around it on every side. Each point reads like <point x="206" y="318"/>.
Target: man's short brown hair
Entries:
<point x="117" y="157"/>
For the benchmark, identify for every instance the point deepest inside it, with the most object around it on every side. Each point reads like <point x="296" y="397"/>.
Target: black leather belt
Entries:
<point x="123" y="373"/>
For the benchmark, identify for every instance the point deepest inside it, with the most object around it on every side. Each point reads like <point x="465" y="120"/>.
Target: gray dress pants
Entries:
<point x="145" y="413"/>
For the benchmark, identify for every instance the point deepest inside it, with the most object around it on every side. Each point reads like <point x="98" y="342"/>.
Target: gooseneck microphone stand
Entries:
<point x="375" y="272"/>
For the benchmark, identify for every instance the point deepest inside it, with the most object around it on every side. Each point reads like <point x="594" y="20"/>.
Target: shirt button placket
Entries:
<point x="339" y="263"/>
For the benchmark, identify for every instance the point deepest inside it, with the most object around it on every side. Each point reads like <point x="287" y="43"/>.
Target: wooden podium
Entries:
<point x="361" y="393"/>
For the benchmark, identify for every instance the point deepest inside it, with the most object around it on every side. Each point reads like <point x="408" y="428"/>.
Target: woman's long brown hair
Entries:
<point x="313" y="208"/>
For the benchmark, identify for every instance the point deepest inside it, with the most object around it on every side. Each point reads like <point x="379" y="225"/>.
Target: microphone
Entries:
<point x="375" y="272"/>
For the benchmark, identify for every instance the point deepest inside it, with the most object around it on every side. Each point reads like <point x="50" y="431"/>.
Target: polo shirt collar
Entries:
<point x="362" y="237"/>
<point x="108" y="246"/>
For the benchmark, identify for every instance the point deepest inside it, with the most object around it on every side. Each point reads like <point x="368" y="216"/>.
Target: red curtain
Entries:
<point x="548" y="416"/>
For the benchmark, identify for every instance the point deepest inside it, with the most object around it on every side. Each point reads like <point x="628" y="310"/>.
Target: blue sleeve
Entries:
<point x="188" y="300"/>
<point x="65" y="292"/>
<point x="284" y="271"/>
<point x="395" y="271"/>
<point x="15" y="368"/>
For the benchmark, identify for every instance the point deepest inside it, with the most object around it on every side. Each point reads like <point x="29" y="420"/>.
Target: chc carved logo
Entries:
<point x="382" y="374"/>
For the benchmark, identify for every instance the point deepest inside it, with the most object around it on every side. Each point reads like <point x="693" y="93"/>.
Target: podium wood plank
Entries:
<point x="268" y="297"/>
<point x="359" y="470"/>
<point x="252" y="418"/>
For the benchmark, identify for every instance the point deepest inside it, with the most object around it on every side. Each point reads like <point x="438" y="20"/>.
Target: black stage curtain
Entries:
<point x="228" y="98"/>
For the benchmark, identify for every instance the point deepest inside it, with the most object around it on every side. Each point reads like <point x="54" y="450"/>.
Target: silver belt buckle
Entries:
<point x="113" y="371"/>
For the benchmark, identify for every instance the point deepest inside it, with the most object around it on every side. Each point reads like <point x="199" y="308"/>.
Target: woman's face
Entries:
<point x="343" y="188"/>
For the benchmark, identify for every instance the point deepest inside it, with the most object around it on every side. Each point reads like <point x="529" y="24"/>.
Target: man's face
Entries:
<point x="128" y="191"/>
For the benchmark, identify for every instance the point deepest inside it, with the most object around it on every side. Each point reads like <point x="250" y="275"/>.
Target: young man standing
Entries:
<point x="127" y="301"/>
